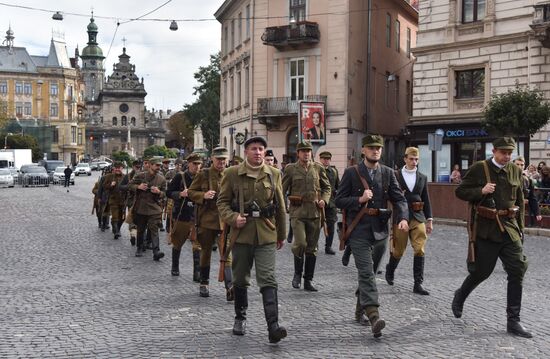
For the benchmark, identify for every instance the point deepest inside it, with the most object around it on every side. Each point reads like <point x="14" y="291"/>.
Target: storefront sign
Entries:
<point x="466" y="133"/>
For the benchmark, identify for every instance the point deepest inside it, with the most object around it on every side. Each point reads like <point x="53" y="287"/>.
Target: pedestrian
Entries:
<point x="257" y="231"/>
<point x="331" y="215"/>
<point x="456" y="176"/>
<point x="270" y="158"/>
<point x="129" y="199"/>
<point x="103" y="199"/>
<point x="308" y="189"/>
<point x="169" y="201"/>
<point x="528" y="186"/>
<point x="363" y="193"/>
<point x="116" y="198"/>
<point x="183" y="215"/>
<point x="68" y="172"/>
<point x="415" y="187"/>
<point x="204" y="192"/>
<point x="494" y="190"/>
<point x="149" y="188"/>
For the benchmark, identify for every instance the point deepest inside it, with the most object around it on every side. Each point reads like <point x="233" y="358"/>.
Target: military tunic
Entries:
<point x="115" y="196"/>
<point x="331" y="213"/>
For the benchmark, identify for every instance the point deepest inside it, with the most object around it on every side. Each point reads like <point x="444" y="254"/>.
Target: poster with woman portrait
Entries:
<point x="311" y="121"/>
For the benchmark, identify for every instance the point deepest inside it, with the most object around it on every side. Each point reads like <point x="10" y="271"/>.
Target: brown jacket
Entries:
<point x="208" y="179"/>
<point x="148" y="203"/>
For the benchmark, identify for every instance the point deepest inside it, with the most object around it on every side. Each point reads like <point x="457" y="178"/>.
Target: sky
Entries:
<point x="165" y="59"/>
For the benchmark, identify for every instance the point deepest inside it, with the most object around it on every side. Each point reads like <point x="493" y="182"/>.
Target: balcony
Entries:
<point x="541" y="23"/>
<point x="283" y="106"/>
<point x="293" y="35"/>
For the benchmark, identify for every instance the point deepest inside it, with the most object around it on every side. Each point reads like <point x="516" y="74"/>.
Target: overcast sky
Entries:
<point x="165" y="59"/>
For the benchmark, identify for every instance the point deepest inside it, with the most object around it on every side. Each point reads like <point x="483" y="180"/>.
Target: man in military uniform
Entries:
<point x="204" y="193"/>
<point x="129" y="197"/>
<point x="270" y="158"/>
<point x="149" y="188"/>
<point x="331" y="215"/>
<point x="308" y="189"/>
<point x="103" y="200"/>
<point x="183" y="215"/>
<point x="165" y="168"/>
<point x="237" y="160"/>
<point x="364" y="191"/>
<point x="494" y="189"/>
<point x="257" y="218"/>
<point x="415" y="186"/>
<point x="115" y="197"/>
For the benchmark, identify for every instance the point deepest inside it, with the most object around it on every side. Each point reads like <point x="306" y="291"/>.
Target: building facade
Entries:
<point x="44" y="97"/>
<point x="278" y="53"/>
<point x="466" y="51"/>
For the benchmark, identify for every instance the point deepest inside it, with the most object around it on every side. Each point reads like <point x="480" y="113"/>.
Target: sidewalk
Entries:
<point x="531" y="231"/>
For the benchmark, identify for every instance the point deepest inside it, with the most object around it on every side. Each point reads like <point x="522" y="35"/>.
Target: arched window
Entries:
<point x="291" y="142"/>
<point x="123" y="121"/>
<point x="133" y="121"/>
<point x="115" y="121"/>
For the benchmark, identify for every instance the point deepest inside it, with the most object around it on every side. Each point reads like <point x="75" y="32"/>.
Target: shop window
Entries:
<point x="470" y="83"/>
<point x="473" y="10"/>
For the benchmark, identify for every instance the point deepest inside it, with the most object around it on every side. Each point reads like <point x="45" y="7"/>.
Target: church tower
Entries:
<point x="92" y="65"/>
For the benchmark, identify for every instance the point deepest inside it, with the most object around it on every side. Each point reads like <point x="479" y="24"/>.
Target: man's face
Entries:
<point x="219" y="163"/>
<point x="165" y="165"/>
<point x="255" y="153"/>
<point x="411" y="161"/>
<point x="146" y="165"/>
<point x="194" y="167"/>
<point x="520" y="164"/>
<point x="502" y="156"/>
<point x="155" y="168"/>
<point x="325" y="161"/>
<point x="304" y="155"/>
<point x="372" y="153"/>
<point x="135" y="168"/>
<point x="269" y="160"/>
<point x="117" y="170"/>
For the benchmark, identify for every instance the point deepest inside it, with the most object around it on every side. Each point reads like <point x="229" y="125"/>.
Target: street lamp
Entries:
<point x="6" y="139"/>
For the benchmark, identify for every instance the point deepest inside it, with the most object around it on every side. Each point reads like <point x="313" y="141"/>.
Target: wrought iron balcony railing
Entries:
<point x="303" y="32"/>
<point x="273" y="106"/>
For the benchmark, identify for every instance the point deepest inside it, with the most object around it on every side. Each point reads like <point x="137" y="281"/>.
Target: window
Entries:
<point x="18" y="87"/>
<point x="115" y="121"/>
<point x="3" y="87"/>
<point x="27" y="88"/>
<point x="225" y="42"/>
<point x="54" y="111"/>
<point x="397" y="93"/>
<point x="123" y="121"/>
<point x="28" y="108"/>
<point x="79" y="142"/>
<point x="473" y="10"/>
<point x="232" y="93"/>
<point x="240" y="29"/>
<point x="133" y="121"/>
<point x="225" y="95"/>
<point x="397" y="35"/>
<point x="408" y="43"/>
<point x="18" y="108"/>
<point x="232" y="35"/>
<point x="409" y="98"/>
<point x="73" y="134"/>
<point x="247" y="21"/>
<point x="388" y="30"/>
<point x="297" y="79"/>
<point x="238" y="84"/>
<point x="470" y="83"/>
<point x="53" y="89"/>
<point x="387" y="89"/>
<point x="297" y="10"/>
<point x="55" y="135"/>
<point x="246" y="85"/>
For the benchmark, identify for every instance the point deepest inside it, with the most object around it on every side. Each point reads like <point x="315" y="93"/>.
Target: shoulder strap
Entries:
<point x="363" y="180"/>
<point x="486" y="170"/>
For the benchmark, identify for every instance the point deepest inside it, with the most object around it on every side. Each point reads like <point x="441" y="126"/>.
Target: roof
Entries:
<point x="40" y="61"/>
<point x="58" y="56"/>
<point x="16" y="59"/>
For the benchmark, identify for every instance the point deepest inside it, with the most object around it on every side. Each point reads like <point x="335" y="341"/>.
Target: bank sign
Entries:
<point x="466" y="133"/>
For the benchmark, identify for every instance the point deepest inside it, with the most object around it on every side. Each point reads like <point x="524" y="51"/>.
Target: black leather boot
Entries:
<point x="376" y="322"/>
<point x="346" y="256"/>
<point x="458" y="303"/>
<point x="513" y="309"/>
<point x="360" y="316"/>
<point x="298" y="269"/>
<point x="205" y="279"/>
<point x="390" y="269"/>
<point x="308" y="273"/>
<point x="271" y="310"/>
<point x="104" y="225"/>
<point x="228" y="281"/>
<point x="241" y="305"/>
<point x="176" y="262"/>
<point x="157" y="255"/>
<point x="196" y="267"/>
<point x="116" y="229"/>
<point x="139" y="246"/>
<point x="418" y="273"/>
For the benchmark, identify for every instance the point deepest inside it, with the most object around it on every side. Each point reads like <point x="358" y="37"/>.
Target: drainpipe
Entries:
<point x="251" y="66"/>
<point x="369" y="58"/>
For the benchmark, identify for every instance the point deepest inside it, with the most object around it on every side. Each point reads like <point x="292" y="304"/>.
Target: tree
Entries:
<point x="182" y="130"/>
<point x="3" y="113"/>
<point x="156" y="150"/>
<point x="123" y="157"/>
<point x="205" y="111"/>
<point x="17" y="140"/>
<point x="518" y="112"/>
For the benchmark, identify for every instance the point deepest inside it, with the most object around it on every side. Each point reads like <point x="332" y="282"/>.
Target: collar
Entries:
<point x="499" y="166"/>
<point x="408" y="171"/>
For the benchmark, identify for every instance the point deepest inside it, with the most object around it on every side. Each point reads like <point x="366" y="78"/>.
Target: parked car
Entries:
<point x="34" y="176"/>
<point x="98" y="165"/>
<point x="83" y="169"/>
<point x="6" y="178"/>
<point x="103" y="164"/>
<point x="59" y="175"/>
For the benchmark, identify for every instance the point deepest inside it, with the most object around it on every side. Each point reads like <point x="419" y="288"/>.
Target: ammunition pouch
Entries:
<point x="492" y="213"/>
<point x="254" y="211"/>
<point x="417" y="206"/>
<point x="295" y="200"/>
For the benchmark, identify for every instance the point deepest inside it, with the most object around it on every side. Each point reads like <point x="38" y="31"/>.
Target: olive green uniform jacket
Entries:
<point x="508" y="193"/>
<point x="146" y="202"/>
<point x="116" y="196"/>
<point x="265" y="189"/>
<point x="311" y="184"/>
<point x="208" y="179"/>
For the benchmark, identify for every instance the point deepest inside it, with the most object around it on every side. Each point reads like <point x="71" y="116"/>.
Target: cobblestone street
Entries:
<point x="69" y="290"/>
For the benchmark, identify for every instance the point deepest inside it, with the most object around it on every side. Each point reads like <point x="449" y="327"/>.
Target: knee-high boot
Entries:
<point x="309" y="271"/>
<point x="513" y="308"/>
<point x="298" y="270"/>
<point x="390" y="269"/>
<point x="271" y="310"/>
<point x="241" y="305"/>
<point x="176" y="261"/>
<point x="418" y="273"/>
<point x="205" y="280"/>
<point x="196" y="266"/>
<point x="228" y="281"/>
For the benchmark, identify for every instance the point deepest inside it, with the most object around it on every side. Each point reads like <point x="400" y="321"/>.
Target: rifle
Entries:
<point x="472" y="229"/>
<point x="234" y="233"/>
<point x="223" y="257"/>
<point x="342" y="231"/>
<point x="183" y="202"/>
<point x="322" y="216"/>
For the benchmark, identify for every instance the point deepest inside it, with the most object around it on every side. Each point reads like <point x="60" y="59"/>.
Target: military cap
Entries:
<point x="147" y="158"/>
<point x="155" y="161"/>
<point x="238" y="159"/>
<point x="269" y="153"/>
<point x="166" y="159"/>
<point x="220" y="152"/>
<point x="373" y="140"/>
<point x="194" y="157"/>
<point x="118" y="164"/>
<point x="504" y="143"/>
<point x="520" y="158"/>
<point x="413" y="151"/>
<point x="254" y="139"/>
<point x="179" y="161"/>
<point x="304" y="145"/>
<point x="325" y="154"/>
<point x="136" y="163"/>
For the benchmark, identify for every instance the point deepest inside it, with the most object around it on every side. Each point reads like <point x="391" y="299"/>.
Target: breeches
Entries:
<point x="117" y="212"/>
<point x="417" y="234"/>
<point x="245" y="255"/>
<point x="206" y="238"/>
<point x="306" y="235"/>
<point x="180" y="234"/>
<point x="151" y="223"/>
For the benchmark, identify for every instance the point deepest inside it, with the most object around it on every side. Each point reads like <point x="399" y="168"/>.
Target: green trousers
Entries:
<point x="246" y="255"/>
<point x="306" y="235"/>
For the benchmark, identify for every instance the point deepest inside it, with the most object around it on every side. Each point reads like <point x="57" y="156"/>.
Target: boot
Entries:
<point x="116" y="229"/>
<point x="513" y="309"/>
<point x="241" y="305"/>
<point x="205" y="279"/>
<point x="132" y="240"/>
<point x="376" y="323"/>
<point x="157" y="255"/>
<point x="418" y="273"/>
<point x="346" y="256"/>
<point x="113" y="226"/>
<point x="360" y="316"/>
<point x="139" y="247"/>
<point x="390" y="269"/>
<point x="228" y="281"/>
<point x="196" y="267"/>
<point x="271" y="310"/>
<point x="176" y="262"/>
<point x="330" y="251"/>
<point x="298" y="269"/>
<point x="99" y="222"/>
<point x="104" y="225"/>
<point x="309" y="271"/>
<point x="458" y="303"/>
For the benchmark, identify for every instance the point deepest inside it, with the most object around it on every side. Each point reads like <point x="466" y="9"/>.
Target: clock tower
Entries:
<point x="92" y="65"/>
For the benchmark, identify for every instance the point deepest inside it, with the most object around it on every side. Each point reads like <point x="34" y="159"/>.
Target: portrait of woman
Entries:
<point x="317" y="132"/>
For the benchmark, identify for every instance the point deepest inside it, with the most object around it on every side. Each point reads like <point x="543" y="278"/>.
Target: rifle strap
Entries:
<point x="233" y="237"/>
<point x="363" y="211"/>
<point x="488" y="179"/>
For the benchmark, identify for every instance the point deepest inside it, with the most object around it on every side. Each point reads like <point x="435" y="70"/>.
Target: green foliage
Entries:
<point x="122" y="156"/>
<point x="17" y="141"/>
<point x="205" y="111"/>
<point x="544" y="211"/>
<point x="159" y="151"/>
<point x="518" y="112"/>
<point x="3" y="113"/>
<point x="182" y="128"/>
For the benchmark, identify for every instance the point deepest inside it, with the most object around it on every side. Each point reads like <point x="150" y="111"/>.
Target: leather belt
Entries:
<point x="417" y="206"/>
